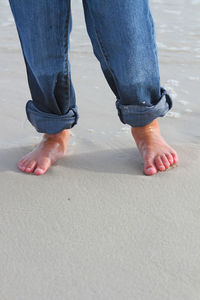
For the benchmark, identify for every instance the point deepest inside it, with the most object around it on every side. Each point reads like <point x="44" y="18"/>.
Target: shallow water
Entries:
<point x="178" y="40"/>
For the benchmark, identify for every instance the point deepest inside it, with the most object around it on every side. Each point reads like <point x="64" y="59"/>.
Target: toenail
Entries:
<point x="150" y="168"/>
<point x="39" y="170"/>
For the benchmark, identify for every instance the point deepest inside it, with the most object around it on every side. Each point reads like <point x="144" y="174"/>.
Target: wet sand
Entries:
<point x="94" y="227"/>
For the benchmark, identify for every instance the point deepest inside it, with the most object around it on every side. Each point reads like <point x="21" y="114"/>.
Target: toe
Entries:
<point x="170" y="158"/>
<point x="165" y="161"/>
<point x="39" y="171"/>
<point x="21" y="166"/>
<point x="42" y="166"/>
<point x="149" y="168"/>
<point x="159" y="164"/>
<point x="30" y="166"/>
<point x="175" y="156"/>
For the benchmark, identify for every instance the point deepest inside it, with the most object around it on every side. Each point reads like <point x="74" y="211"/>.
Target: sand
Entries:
<point x="94" y="227"/>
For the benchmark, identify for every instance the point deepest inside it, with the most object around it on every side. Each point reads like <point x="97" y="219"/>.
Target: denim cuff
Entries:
<point x="50" y="123"/>
<point x="141" y="115"/>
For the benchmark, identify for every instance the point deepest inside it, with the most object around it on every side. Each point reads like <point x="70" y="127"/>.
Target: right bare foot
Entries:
<point x="156" y="153"/>
<point x="52" y="147"/>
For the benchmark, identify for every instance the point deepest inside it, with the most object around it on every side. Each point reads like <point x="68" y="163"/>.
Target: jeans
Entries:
<point x="123" y="40"/>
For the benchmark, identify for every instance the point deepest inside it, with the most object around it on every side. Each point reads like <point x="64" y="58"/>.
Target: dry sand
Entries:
<point x="94" y="227"/>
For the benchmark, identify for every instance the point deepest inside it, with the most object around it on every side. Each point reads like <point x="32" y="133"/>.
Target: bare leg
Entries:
<point x="52" y="147"/>
<point x="156" y="153"/>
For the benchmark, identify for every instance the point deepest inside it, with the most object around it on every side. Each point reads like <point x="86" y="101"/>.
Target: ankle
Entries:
<point x="149" y="129"/>
<point x="62" y="134"/>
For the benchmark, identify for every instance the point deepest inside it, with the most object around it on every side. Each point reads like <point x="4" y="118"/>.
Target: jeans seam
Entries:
<point x="66" y="38"/>
<point x="153" y="37"/>
<point x="106" y="58"/>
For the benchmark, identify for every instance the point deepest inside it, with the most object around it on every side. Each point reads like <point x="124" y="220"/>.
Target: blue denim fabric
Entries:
<point x="123" y="39"/>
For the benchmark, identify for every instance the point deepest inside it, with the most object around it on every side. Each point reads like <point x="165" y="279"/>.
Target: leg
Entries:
<point x="123" y="38"/>
<point x="44" y="29"/>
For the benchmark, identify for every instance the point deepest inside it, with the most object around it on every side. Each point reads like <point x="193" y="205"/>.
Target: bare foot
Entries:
<point x="156" y="153"/>
<point x="52" y="147"/>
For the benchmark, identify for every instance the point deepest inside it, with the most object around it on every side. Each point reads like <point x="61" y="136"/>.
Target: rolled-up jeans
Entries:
<point x="123" y="39"/>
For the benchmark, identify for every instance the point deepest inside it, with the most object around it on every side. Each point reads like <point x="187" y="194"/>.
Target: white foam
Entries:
<point x="173" y="114"/>
<point x="157" y="1"/>
<point x="183" y="102"/>
<point x="195" y="2"/>
<point x="125" y="128"/>
<point x="171" y="91"/>
<point x="175" y="12"/>
<point x="8" y="22"/>
<point x="196" y="78"/>
<point x="72" y="134"/>
<point x="91" y="130"/>
<point x="173" y="82"/>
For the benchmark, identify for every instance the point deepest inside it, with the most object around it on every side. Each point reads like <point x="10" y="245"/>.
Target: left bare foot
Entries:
<point x="51" y="148"/>
<point x="156" y="153"/>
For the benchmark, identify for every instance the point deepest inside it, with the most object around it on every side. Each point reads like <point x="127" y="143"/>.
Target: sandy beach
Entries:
<point x="94" y="227"/>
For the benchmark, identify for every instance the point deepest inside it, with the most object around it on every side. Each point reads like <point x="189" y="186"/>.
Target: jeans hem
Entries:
<point x="50" y="123"/>
<point x="141" y="115"/>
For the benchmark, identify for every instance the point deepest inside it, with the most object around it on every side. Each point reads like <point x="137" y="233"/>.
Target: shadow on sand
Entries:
<point x="120" y="161"/>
